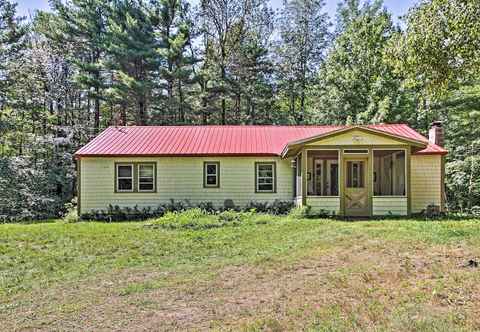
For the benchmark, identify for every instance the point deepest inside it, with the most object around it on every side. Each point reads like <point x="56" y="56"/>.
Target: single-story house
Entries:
<point x="385" y="169"/>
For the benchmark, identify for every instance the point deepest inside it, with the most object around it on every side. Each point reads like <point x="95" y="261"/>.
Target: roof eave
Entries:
<point x="153" y="155"/>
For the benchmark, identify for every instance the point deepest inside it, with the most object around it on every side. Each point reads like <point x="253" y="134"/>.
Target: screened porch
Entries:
<point x="353" y="181"/>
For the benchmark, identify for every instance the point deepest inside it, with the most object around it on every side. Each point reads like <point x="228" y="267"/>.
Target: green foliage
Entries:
<point x="440" y="47"/>
<point x="356" y="83"/>
<point x="71" y="216"/>
<point x="34" y="189"/>
<point x="276" y="207"/>
<point x="300" y="212"/>
<point x="304" y="38"/>
<point x="460" y="112"/>
<point x="132" y="55"/>
<point x="201" y="219"/>
<point x="117" y="213"/>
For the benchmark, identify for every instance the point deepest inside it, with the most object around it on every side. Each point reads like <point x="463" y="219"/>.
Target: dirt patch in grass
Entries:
<point x="373" y="284"/>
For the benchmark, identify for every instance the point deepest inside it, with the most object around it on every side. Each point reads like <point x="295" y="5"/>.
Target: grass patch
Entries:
<point x="250" y="271"/>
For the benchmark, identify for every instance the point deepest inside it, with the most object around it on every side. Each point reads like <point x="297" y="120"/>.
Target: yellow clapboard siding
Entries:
<point x="390" y="205"/>
<point x="181" y="178"/>
<point x="355" y="137"/>
<point x="426" y="181"/>
<point x="329" y="204"/>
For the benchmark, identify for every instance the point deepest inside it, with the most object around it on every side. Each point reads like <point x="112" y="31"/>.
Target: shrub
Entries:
<point x="228" y="204"/>
<point x="257" y="206"/>
<point x="432" y="211"/>
<point x="188" y="219"/>
<point x="117" y="213"/>
<point x="279" y="207"/>
<point x="475" y="211"/>
<point x="300" y="212"/>
<point x="207" y="206"/>
<point x="200" y="219"/>
<point x="72" y="214"/>
<point x="234" y="217"/>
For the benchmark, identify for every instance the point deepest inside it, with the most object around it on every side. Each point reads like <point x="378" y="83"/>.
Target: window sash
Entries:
<point x="265" y="177"/>
<point x="208" y="176"/>
<point x="146" y="180"/>
<point x="124" y="177"/>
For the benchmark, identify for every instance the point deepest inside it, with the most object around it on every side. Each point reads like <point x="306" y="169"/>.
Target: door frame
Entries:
<point x="367" y="158"/>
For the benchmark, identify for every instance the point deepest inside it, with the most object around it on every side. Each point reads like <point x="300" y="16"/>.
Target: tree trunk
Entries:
<point x="180" y="106"/>
<point x="123" y="114"/>
<point x="471" y="178"/>
<point x="96" y="121"/>
<point x="238" y="102"/>
<point x="292" y="103"/>
<point x="301" y="117"/>
<point x="224" y="75"/>
<point x="204" y="111"/>
<point x="253" y="116"/>
<point x="141" y="112"/>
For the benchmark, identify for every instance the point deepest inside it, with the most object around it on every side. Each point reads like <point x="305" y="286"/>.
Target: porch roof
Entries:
<point x="400" y="132"/>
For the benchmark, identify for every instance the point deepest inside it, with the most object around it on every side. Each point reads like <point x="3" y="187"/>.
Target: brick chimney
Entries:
<point x="435" y="134"/>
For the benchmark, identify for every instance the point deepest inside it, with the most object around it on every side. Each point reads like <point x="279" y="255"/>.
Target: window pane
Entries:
<point x="334" y="180"/>
<point x="125" y="184"/>
<point x="265" y="171"/>
<point x="349" y="174"/>
<point x="355" y="174"/>
<point x="265" y="187"/>
<point x="145" y="186"/>
<point x="211" y="180"/>
<point x="265" y="167"/>
<point x="211" y="169"/>
<point x="265" y="177"/>
<point x="146" y="171"/>
<point x="124" y="171"/>
<point x="355" y="151"/>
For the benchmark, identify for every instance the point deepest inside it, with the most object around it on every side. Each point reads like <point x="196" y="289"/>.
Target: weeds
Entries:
<point x="197" y="219"/>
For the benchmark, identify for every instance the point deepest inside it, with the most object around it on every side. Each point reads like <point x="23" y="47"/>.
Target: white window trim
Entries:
<point x="138" y="178"/>
<point x="124" y="177"/>
<point x="206" y="175"/>
<point x="258" y="177"/>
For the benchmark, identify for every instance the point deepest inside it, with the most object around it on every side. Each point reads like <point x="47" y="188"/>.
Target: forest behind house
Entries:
<point x="68" y="73"/>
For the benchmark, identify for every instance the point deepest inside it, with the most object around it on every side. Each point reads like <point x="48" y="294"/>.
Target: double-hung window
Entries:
<point x="146" y="177"/>
<point x="211" y="174"/>
<point x="135" y="177"/>
<point x="124" y="180"/>
<point x="265" y="177"/>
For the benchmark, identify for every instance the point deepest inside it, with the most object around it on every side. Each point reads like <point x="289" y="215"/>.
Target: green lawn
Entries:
<point x="274" y="274"/>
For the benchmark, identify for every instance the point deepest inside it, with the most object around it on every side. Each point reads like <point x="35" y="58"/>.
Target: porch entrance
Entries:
<point x="356" y="189"/>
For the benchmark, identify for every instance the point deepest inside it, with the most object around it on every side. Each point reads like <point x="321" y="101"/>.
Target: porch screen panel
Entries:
<point x="389" y="172"/>
<point x="322" y="173"/>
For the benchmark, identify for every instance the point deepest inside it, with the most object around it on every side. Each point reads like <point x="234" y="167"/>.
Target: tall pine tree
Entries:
<point x="82" y="26"/>
<point x="132" y="57"/>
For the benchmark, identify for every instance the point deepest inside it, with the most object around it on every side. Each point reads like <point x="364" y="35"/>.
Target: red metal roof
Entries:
<point x="219" y="140"/>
